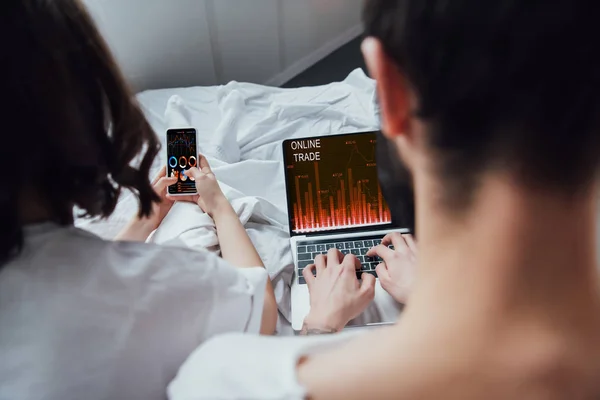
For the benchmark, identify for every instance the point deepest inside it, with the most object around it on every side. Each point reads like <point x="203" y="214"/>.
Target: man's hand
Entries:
<point x="398" y="271"/>
<point x="336" y="296"/>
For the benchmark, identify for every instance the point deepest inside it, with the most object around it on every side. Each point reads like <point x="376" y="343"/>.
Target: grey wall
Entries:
<point x="172" y="43"/>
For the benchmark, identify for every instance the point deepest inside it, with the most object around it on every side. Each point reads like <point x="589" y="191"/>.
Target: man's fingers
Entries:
<point x="161" y="173"/>
<point x="351" y="260"/>
<point x="334" y="257"/>
<point x="382" y="272"/>
<point x="387" y="240"/>
<point x="307" y="273"/>
<point x="381" y="251"/>
<point x="320" y="262"/>
<point x="397" y="240"/>
<point x="367" y="286"/>
<point x="410" y="241"/>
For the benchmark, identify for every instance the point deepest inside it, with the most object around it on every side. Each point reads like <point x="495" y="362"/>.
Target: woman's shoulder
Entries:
<point x="154" y="258"/>
<point x="173" y="262"/>
<point x="71" y="248"/>
<point x="171" y="251"/>
<point x="69" y="253"/>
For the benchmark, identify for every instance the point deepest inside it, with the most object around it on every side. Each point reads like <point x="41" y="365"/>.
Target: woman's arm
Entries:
<point x="238" y="250"/>
<point x="137" y="230"/>
<point x="236" y="246"/>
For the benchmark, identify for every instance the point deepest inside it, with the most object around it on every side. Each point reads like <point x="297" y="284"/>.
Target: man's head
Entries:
<point x="471" y="87"/>
<point x="71" y="129"/>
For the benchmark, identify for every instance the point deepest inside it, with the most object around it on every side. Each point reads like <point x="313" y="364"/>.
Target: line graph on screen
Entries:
<point x="182" y="143"/>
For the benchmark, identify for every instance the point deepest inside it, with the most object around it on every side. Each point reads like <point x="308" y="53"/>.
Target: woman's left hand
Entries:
<point x="138" y="229"/>
<point x="160" y="184"/>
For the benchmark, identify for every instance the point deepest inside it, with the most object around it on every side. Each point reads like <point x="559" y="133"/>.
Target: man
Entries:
<point x="494" y="106"/>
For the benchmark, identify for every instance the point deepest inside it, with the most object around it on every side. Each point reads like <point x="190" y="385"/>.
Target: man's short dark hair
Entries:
<point x="71" y="130"/>
<point x="502" y="84"/>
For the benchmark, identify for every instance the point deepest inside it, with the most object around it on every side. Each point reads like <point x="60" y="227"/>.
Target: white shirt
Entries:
<point x="84" y="318"/>
<point x="248" y="367"/>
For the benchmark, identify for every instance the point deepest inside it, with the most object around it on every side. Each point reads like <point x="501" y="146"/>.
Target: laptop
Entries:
<point x="334" y="201"/>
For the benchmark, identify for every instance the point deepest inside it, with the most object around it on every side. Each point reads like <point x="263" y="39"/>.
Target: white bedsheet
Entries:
<point x="240" y="128"/>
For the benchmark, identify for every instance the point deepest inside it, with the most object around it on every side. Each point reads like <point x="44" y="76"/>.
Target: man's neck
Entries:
<point x="513" y="249"/>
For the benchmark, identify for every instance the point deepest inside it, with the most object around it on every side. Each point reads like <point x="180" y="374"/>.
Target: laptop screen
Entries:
<point x="332" y="183"/>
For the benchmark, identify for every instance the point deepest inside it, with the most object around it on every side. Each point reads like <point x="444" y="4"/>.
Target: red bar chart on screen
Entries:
<point x="332" y="184"/>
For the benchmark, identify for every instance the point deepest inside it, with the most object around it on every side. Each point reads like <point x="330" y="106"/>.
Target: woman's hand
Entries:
<point x="210" y="198"/>
<point x="397" y="273"/>
<point x="160" y="184"/>
<point x="336" y="296"/>
<point x="139" y="229"/>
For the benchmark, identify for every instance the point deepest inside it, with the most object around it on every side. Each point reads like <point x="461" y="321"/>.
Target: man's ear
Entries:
<point x="392" y="89"/>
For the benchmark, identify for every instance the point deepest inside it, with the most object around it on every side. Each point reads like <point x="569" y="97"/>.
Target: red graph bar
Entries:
<point x="299" y="199"/>
<point x="364" y="205"/>
<point x="311" y="208"/>
<point x="332" y="215"/>
<point x="351" y="191"/>
<point x="307" y="213"/>
<point x="359" y="203"/>
<point x="380" y="203"/>
<point x="343" y="207"/>
<point x="338" y="211"/>
<point x="296" y="215"/>
<point x="320" y="214"/>
<point x="351" y="203"/>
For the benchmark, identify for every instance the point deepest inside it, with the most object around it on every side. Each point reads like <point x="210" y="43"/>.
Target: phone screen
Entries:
<point x="182" y="155"/>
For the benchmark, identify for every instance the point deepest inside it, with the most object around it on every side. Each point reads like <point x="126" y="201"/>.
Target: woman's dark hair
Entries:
<point x="72" y="133"/>
<point x="502" y="84"/>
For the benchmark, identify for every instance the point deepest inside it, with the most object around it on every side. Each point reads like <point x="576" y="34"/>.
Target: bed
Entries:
<point x="240" y="129"/>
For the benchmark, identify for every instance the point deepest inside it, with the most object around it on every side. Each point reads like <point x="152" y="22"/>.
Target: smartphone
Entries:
<point x="182" y="154"/>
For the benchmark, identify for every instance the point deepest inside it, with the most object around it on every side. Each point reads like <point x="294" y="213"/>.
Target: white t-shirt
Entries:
<point x="248" y="367"/>
<point x="84" y="318"/>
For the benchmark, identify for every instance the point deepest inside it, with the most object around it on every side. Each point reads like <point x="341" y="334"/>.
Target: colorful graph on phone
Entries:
<point x="332" y="183"/>
<point x="181" y="156"/>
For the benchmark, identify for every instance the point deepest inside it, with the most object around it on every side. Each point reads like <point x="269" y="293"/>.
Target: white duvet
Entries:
<point x="240" y="129"/>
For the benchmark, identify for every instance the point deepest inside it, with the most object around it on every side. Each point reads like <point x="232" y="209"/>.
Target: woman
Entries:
<point x="81" y="317"/>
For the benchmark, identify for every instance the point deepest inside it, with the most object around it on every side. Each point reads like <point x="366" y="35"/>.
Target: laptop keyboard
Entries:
<point x="307" y="251"/>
